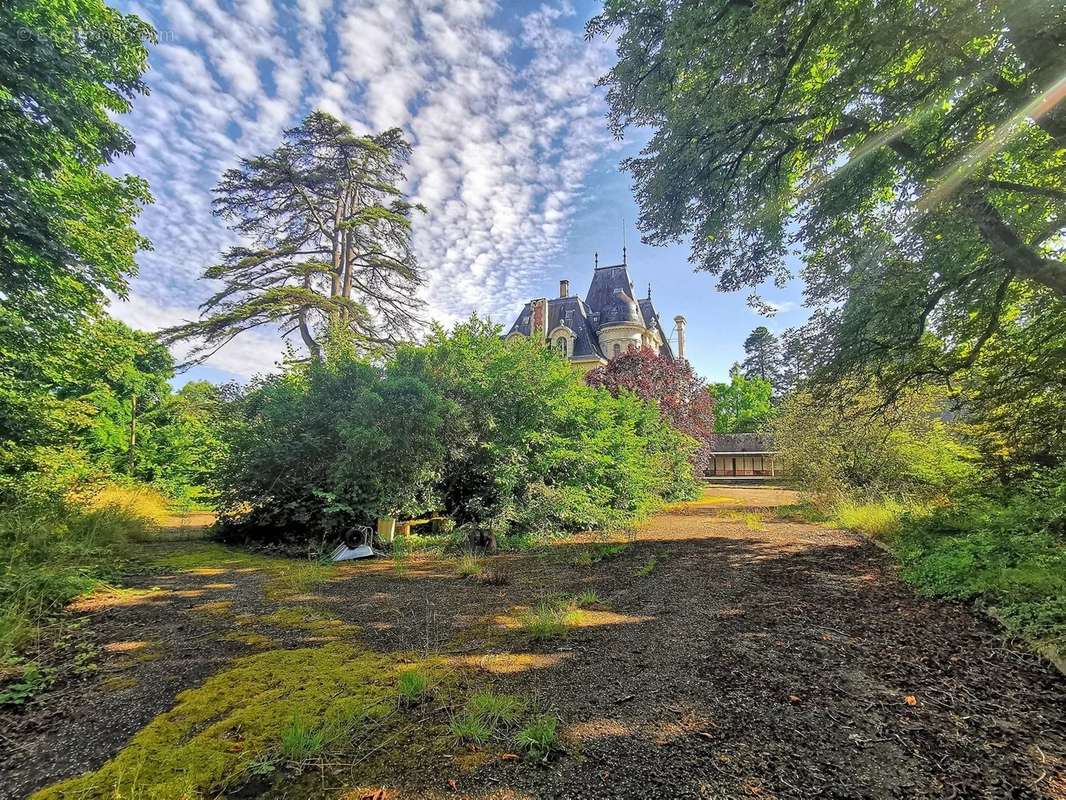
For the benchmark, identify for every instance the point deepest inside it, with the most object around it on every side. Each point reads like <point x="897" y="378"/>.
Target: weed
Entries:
<point x="495" y="709"/>
<point x="539" y="738"/>
<point x="469" y="565"/>
<point x="301" y="741"/>
<point x="546" y="621"/>
<point x="648" y="567"/>
<point x="587" y="598"/>
<point x="466" y="728"/>
<point x="413" y="687"/>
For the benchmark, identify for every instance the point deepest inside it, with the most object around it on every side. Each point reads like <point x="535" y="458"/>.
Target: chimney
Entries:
<point x="679" y="321"/>
<point x="564" y="288"/>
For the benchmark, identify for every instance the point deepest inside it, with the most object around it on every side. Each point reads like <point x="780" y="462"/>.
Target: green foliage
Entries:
<point x="648" y="567"/>
<point x="865" y="445"/>
<point x="68" y="68"/>
<point x="326" y="445"/>
<point x="301" y="740"/>
<point x="503" y="436"/>
<point x="469" y="729"/>
<point x="876" y="519"/>
<point x="742" y="405"/>
<point x="539" y="738"/>
<point x="898" y="148"/>
<point x="1008" y="551"/>
<point x="470" y="565"/>
<point x="51" y="551"/>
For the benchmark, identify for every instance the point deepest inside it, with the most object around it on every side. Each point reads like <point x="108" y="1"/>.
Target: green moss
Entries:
<point x="313" y="620"/>
<point x="218" y="732"/>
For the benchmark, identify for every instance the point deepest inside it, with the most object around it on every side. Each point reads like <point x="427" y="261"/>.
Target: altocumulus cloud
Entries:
<point x="501" y="109"/>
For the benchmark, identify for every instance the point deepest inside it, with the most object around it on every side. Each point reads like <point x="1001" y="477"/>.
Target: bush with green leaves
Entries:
<point x="1006" y="549"/>
<point x="871" y="446"/>
<point x="503" y="436"/>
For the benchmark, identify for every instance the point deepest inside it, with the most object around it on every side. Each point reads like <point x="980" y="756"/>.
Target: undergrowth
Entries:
<point x="52" y="550"/>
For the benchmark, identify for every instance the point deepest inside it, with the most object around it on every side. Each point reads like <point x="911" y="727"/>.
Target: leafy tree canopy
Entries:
<point x="742" y="405"/>
<point x="681" y="394"/>
<point x="330" y="241"/>
<point x="913" y="151"/>
<point x="66" y="227"/>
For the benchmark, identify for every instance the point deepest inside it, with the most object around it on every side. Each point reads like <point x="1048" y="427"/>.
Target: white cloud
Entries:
<point x="505" y="128"/>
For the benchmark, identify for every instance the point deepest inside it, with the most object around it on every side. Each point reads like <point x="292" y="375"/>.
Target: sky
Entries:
<point x="512" y="156"/>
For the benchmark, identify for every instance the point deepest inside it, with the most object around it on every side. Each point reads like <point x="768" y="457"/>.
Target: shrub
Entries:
<point x="469" y="565"/>
<point x="504" y="436"/>
<point x="1008" y="551"/>
<point x="539" y="738"/>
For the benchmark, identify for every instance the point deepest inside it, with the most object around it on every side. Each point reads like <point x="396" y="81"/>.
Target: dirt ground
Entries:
<point x="754" y="657"/>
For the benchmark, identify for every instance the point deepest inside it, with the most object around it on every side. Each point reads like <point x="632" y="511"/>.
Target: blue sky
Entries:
<point x="512" y="155"/>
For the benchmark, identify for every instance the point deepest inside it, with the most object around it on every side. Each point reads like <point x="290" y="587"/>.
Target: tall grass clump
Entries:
<point x="877" y="518"/>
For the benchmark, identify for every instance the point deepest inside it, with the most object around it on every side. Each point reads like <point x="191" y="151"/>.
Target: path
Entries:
<point x="755" y="657"/>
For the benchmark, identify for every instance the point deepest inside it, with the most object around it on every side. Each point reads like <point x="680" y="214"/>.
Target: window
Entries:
<point x="616" y="350"/>
<point x="561" y="344"/>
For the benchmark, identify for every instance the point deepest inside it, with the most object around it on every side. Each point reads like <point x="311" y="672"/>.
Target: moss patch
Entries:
<point x="218" y="732"/>
<point x="286" y="577"/>
<point x="313" y="620"/>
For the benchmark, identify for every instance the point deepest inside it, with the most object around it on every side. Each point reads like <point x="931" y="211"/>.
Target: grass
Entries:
<point x="53" y="550"/>
<point x="599" y="552"/>
<point x="281" y="703"/>
<point x="546" y="621"/>
<point x="300" y="740"/>
<point x="587" y="598"/>
<point x="648" y="567"/>
<point x="876" y="519"/>
<point x="485" y="713"/>
<point x="413" y="687"/>
<point x="539" y="738"/>
<point x="469" y="729"/>
<point x="470" y="565"/>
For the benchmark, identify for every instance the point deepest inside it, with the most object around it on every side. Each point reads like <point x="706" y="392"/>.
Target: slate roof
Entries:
<point x="651" y="316"/>
<point x="572" y="312"/>
<point x="741" y="443"/>
<point x="611" y="298"/>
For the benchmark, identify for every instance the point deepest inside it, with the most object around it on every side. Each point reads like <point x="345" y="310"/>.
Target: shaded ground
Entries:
<point x="733" y="655"/>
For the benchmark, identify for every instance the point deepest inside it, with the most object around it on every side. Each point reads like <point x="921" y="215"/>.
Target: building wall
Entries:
<point x="744" y="465"/>
<point x="625" y="336"/>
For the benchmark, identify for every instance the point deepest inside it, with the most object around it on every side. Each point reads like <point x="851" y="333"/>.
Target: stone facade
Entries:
<point x="608" y="322"/>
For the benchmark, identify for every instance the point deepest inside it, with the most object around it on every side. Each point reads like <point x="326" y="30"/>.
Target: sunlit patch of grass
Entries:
<point x="587" y="598"/>
<point x="495" y="709"/>
<point x="218" y="608"/>
<point x="546" y="621"/>
<point x="470" y="565"/>
<point x="876" y="519"/>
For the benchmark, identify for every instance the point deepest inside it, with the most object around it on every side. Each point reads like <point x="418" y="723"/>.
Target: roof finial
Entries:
<point x="597" y="266"/>
<point x="649" y="290"/>
<point x="624" y="262"/>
